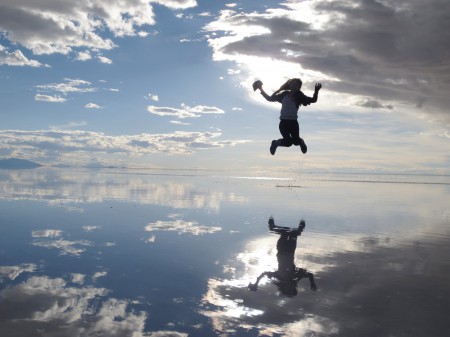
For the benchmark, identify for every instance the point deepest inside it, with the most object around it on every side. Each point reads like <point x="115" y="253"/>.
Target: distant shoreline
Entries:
<point x="18" y="164"/>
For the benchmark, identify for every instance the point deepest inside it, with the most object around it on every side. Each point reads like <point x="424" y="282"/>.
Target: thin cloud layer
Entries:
<point x="185" y="111"/>
<point x="69" y="85"/>
<point x="49" y="98"/>
<point x="52" y="92"/>
<point x="395" y="52"/>
<point x="52" y="145"/>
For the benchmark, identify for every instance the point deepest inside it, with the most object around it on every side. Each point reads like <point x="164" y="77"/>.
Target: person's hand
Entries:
<point x="252" y="286"/>
<point x="318" y="86"/>
<point x="257" y="85"/>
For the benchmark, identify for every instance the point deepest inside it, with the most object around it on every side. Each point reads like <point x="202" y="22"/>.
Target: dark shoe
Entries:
<point x="301" y="227"/>
<point x="273" y="147"/>
<point x="303" y="146"/>
<point x="271" y="223"/>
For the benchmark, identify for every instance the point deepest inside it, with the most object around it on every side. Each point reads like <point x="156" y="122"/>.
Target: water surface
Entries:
<point x="150" y="253"/>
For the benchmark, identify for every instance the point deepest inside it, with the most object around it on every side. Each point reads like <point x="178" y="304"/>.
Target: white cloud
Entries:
<point x="233" y="71"/>
<point x="104" y="59"/>
<point x="176" y="4"/>
<point x="152" y="97"/>
<point x="16" y="58"/>
<point x="70" y="85"/>
<point x="143" y="33"/>
<point x="48" y="98"/>
<point x="55" y="145"/>
<point x="84" y="56"/>
<point x="92" y="106"/>
<point x="185" y="111"/>
<point x="46" y="28"/>
<point x="179" y="123"/>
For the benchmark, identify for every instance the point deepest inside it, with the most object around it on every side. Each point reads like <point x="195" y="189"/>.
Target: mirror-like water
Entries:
<point x="128" y="253"/>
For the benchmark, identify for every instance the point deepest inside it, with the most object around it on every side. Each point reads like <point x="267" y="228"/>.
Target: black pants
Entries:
<point x="290" y="131"/>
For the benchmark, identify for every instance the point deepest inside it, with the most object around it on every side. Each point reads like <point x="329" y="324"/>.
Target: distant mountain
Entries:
<point x="15" y="163"/>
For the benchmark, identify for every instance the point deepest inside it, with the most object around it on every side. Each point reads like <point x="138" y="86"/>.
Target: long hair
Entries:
<point x="285" y="86"/>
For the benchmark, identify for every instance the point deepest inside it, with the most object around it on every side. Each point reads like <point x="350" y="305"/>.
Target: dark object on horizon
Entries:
<point x="15" y="163"/>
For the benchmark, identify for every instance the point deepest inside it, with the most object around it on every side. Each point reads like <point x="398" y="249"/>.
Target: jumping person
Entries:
<point x="291" y="97"/>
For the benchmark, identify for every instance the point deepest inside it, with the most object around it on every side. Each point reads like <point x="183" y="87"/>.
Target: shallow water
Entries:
<point x="149" y="253"/>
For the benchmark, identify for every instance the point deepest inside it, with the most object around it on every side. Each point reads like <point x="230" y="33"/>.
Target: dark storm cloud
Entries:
<point x="374" y="105"/>
<point x="397" y="51"/>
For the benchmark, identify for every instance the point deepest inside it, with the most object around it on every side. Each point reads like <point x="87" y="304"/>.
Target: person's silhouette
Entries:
<point x="291" y="98"/>
<point x="287" y="275"/>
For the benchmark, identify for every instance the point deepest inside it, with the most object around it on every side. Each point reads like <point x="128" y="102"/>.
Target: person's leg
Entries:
<point x="285" y="130"/>
<point x="295" y="132"/>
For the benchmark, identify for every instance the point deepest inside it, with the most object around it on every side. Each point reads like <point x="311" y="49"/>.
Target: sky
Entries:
<point x="167" y="83"/>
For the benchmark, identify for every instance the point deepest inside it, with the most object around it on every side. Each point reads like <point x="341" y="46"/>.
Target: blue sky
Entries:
<point x="167" y="84"/>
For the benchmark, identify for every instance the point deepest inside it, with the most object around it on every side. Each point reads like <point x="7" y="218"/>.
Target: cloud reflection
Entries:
<point x="12" y="272"/>
<point x="46" y="233"/>
<point x="364" y="281"/>
<point x="181" y="227"/>
<point x="61" y="188"/>
<point x="45" y="306"/>
<point x="53" y="239"/>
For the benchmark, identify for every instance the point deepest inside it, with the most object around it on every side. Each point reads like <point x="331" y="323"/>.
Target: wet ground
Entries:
<point x="185" y="253"/>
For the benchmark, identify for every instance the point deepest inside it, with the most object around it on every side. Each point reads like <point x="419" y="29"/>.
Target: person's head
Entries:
<point x="295" y="84"/>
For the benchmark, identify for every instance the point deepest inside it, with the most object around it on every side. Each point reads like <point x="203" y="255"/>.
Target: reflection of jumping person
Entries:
<point x="290" y="97"/>
<point x="287" y="275"/>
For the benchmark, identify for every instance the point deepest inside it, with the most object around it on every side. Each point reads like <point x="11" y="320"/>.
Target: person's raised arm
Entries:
<point x="306" y="100"/>
<point x="271" y="98"/>
<point x="316" y="92"/>
<point x="265" y="95"/>
<point x="254" y="286"/>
